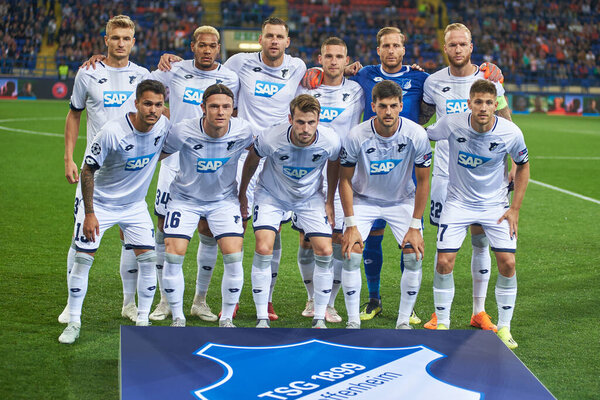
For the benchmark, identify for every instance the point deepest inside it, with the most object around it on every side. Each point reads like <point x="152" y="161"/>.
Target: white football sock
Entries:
<point x="306" y="265"/>
<point x="232" y="283"/>
<point x="351" y="284"/>
<point x="129" y="274"/>
<point x="146" y="283"/>
<point x="323" y="279"/>
<point x="174" y="284"/>
<point x="78" y="284"/>
<point x="506" y="297"/>
<point x="443" y="295"/>
<point x="206" y="259"/>
<point x="275" y="261"/>
<point x="261" y="281"/>
<point x="481" y="264"/>
<point x="336" y="264"/>
<point x="409" y="286"/>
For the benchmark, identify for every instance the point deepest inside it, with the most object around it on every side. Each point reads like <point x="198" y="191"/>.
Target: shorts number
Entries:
<point x="81" y="239"/>
<point x="172" y="219"/>
<point x="76" y="207"/>
<point x="255" y="213"/>
<point x="163" y="197"/>
<point x="443" y="228"/>
<point x="436" y="209"/>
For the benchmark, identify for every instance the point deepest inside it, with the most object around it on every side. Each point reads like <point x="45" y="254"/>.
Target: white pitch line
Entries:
<point x="39" y="133"/>
<point x="565" y="158"/>
<point x="565" y="191"/>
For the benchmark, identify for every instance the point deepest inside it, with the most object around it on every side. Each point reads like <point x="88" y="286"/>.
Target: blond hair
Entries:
<point x="206" y="29"/>
<point x="389" y="30"/>
<point x="457" y="27"/>
<point x="120" y="21"/>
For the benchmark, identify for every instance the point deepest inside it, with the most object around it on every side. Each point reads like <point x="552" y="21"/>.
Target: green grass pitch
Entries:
<point x="555" y="321"/>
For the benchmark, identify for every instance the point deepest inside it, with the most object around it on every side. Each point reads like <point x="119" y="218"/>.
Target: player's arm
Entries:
<point x="71" y="134"/>
<point x="503" y="111"/>
<point x="512" y="214"/>
<point x="333" y="175"/>
<point x="91" y="62"/>
<point x="413" y="236"/>
<point x="91" y="227"/>
<point x="250" y="166"/>
<point x="351" y="235"/>
<point x="163" y="155"/>
<point x="426" y="112"/>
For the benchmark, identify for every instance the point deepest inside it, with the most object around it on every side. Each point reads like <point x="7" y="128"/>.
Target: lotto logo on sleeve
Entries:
<point x="192" y="96"/>
<point x="328" y="114"/>
<point x="296" y="172"/>
<point x="383" y="167"/>
<point x="137" y="163"/>
<point x="471" y="161"/>
<point x="208" y="165"/>
<point x="115" y="98"/>
<point x="267" y="89"/>
<point x="456" y="106"/>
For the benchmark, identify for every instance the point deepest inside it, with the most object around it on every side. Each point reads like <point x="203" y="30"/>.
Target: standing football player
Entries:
<point x="205" y="187"/>
<point x="106" y="93"/>
<point x="118" y="168"/>
<point x="447" y="92"/>
<point x="342" y="103"/>
<point x="376" y="182"/>
<point x="479" y="143"/>
<point x="292" y="180"/>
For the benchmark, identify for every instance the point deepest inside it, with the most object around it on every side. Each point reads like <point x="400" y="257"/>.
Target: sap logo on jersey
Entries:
<point x="115" y="98"/>
<point x="192" y="96"/>
<point x="456" y="106"/>
<point x="137" y="163"/>
<point x="383" y="167"/>
<point x="471" y="161"/>
<point x="208" y="165"/>
<point x="328" y="114"/>
<point x="296" y="172"/>
<point x="267" y="89"/>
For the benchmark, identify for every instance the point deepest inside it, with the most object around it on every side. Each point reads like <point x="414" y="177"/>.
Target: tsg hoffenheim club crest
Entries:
<point x="316" y="369"/>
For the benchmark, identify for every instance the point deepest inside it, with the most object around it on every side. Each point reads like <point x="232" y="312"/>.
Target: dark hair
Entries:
<point x="150" y="85"/>
<point x="385" y="90"/>
<point x="305" y="103"/>
<point x="275" y="21"/>
<point x="483" y="86"/>
<point x="217" y="88"/>
<point x="333" y="41"/>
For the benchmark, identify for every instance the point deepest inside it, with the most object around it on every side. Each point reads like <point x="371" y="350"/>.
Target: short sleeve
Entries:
<point x="428" y="92"/>
<point x="349" y="151"/>
<point x="102" y="145"/>
<point x="422" y="150"/>
<point x="518" y="149"/>
<point x="175" y="139"/>
<point x="439" y="130"/>
<point x="79" y="96"/>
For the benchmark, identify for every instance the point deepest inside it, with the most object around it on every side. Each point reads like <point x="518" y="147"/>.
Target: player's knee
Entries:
<point x="146" y="257"/>
<point x="411" y="263"/>
<point x="479" y="240"/>
<point x="506" y="264"/>
<point x="445" y="262"/>
<point x="207" y="240"/>
<point x="305" y="256"/>
<point x="262" y="261"/>
<point x="353" y="263"/>
<point x="323" y="249"/>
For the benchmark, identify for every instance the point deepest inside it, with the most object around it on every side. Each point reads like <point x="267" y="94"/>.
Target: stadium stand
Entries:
<point x="544" y="43"/>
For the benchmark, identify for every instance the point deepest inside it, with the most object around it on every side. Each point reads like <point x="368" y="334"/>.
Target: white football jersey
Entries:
<point x="291" y="173"/>
<point x="341" y="106"/>
<point x="449" y="94"/>
<point x="208" y="166"/>
<point x="106" y="92"/>
<point x="383" y="165"/>
<point x="478" y="161"/>
<point x="125" y="160"/>
<point x="186" y="85"/>
<point x="265" y="93"/>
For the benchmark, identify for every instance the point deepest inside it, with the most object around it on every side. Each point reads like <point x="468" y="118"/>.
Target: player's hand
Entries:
<point x="71" y="172"/>
<point x="91" y="62"/>
<point x="492" y="72"/>
<point x="313" y="78"/>
<point x="417" y="67"/>
<point x="511" y="176"/>
<point x="352" y="69"/>
<point x="166" y="60"/>
<point x="414" y="237"/>
<point x="91" y="227"/>
<point x="330" y="212"/>
<point x="243" y="205"/>
<point x="512" y="217"/>
<point x="351" y="238"/>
